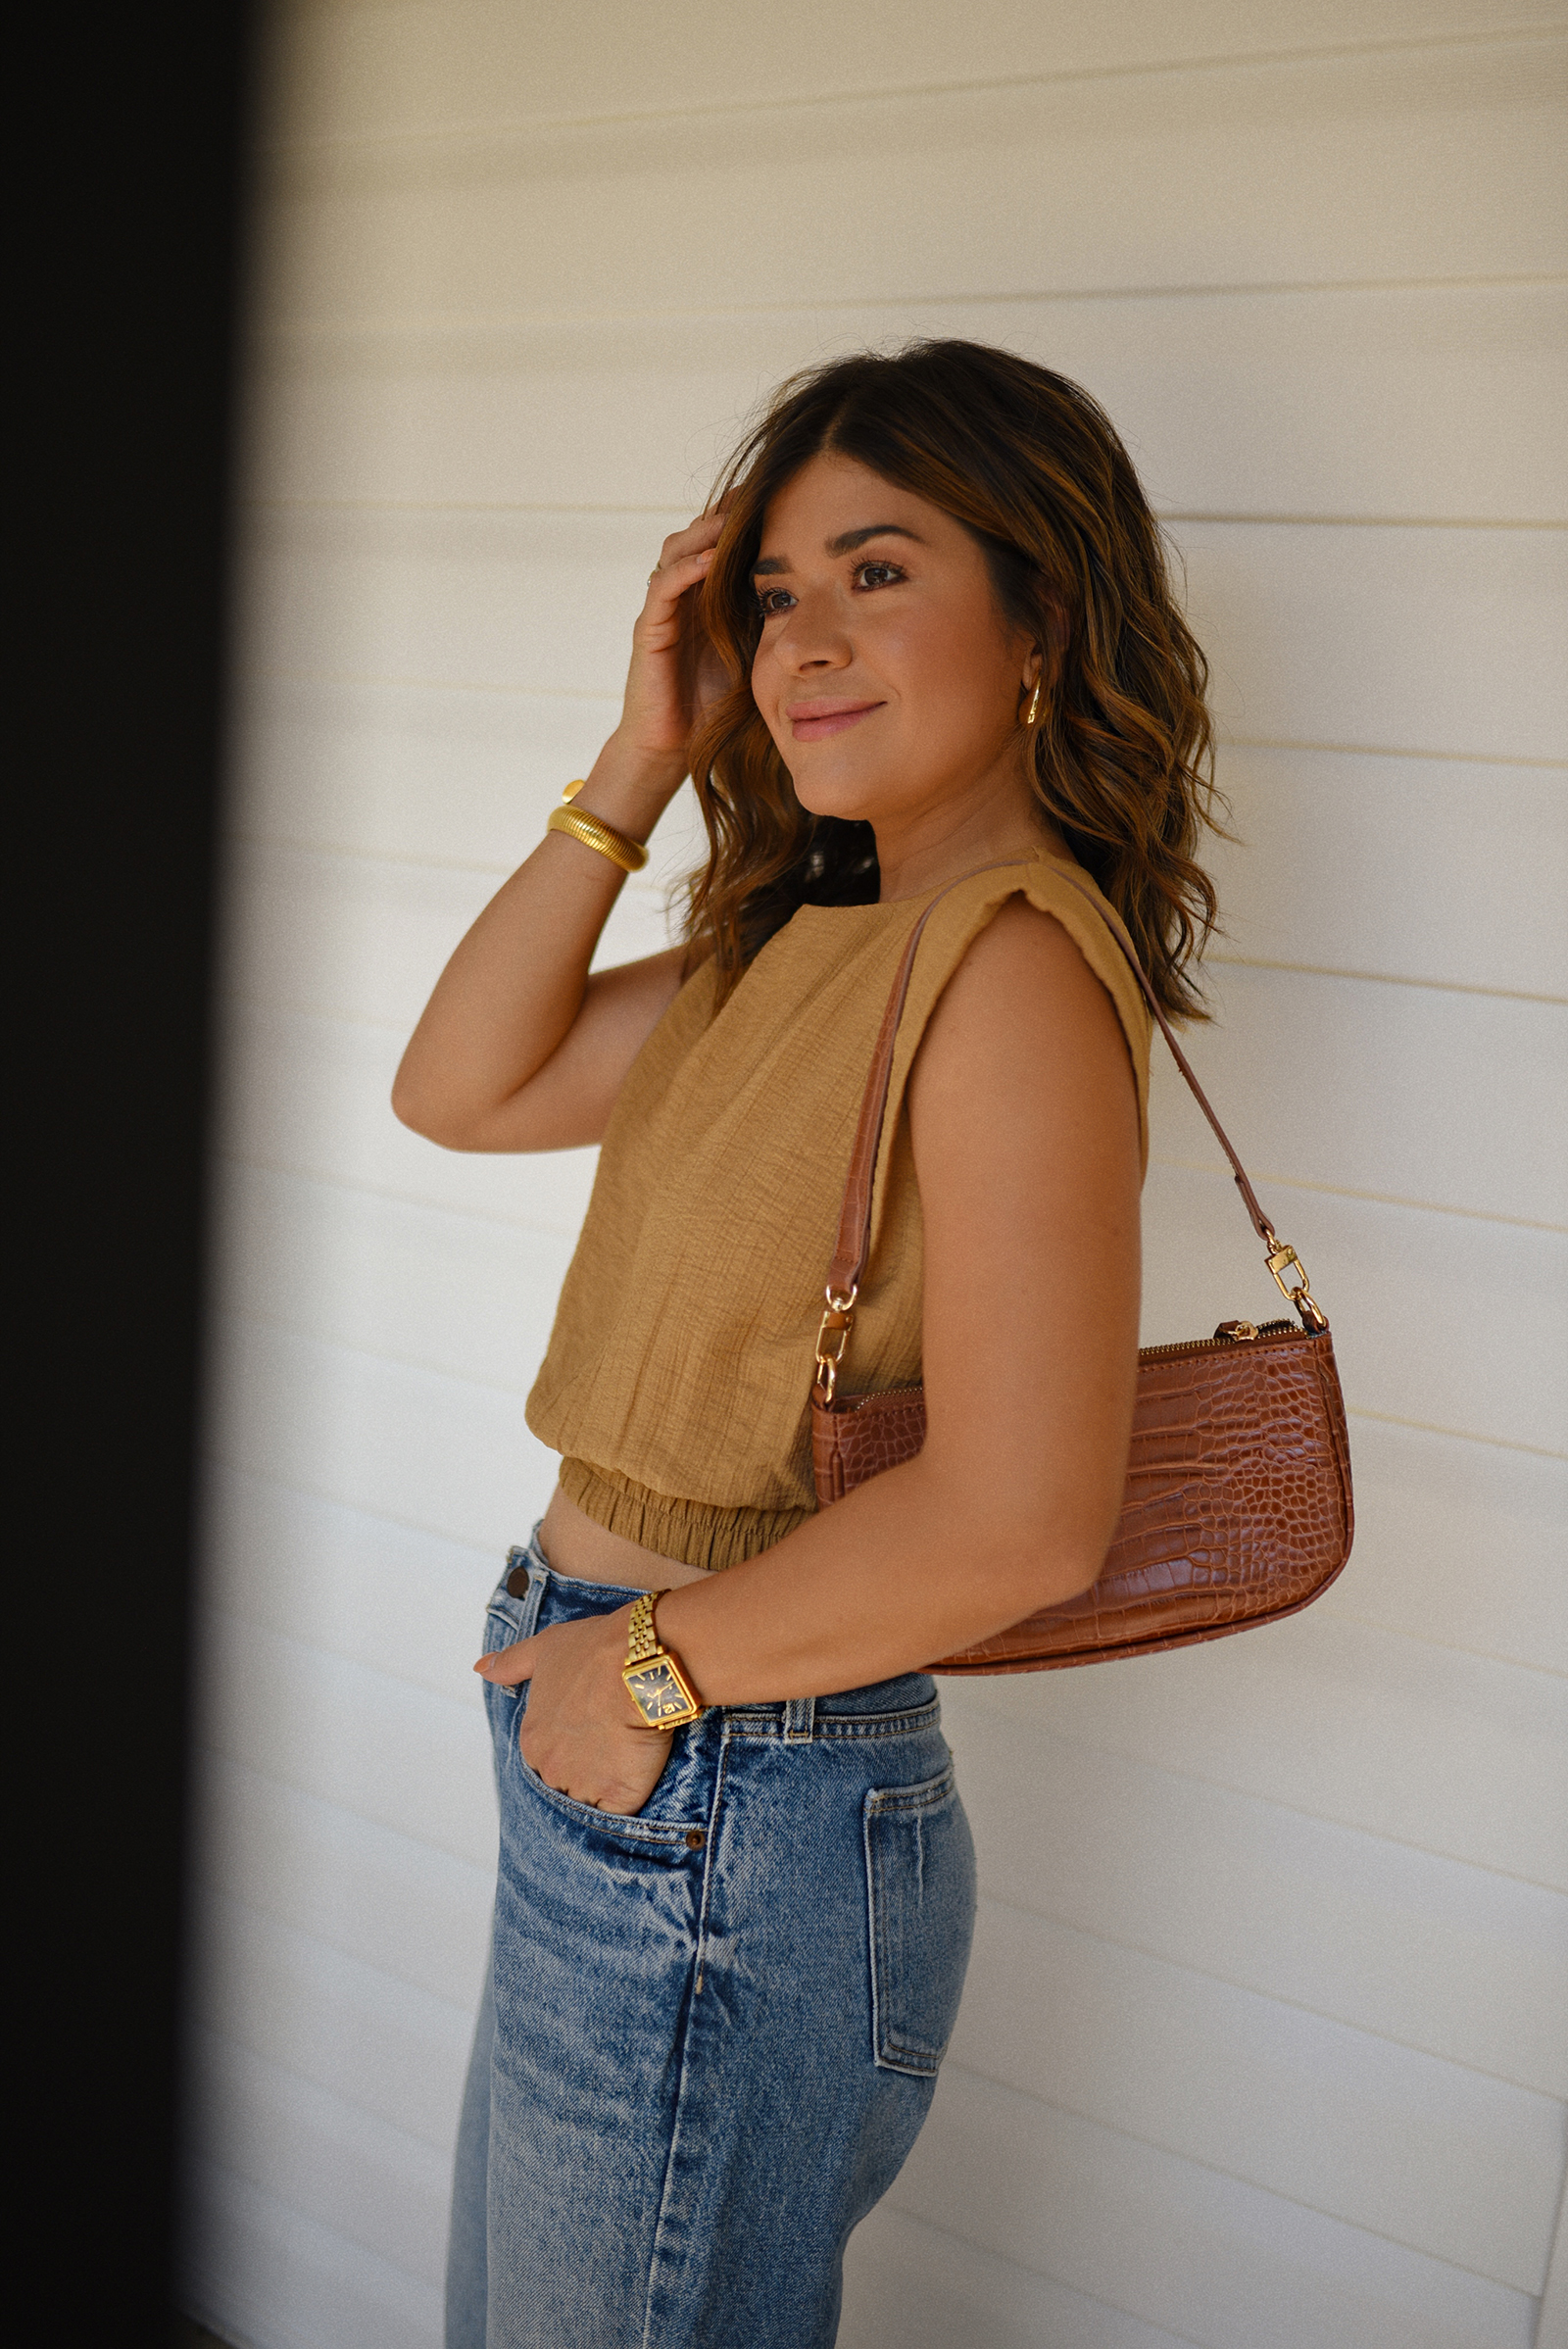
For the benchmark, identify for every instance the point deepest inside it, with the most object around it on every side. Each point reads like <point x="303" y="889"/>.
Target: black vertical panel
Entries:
<point x="129" y="227"/>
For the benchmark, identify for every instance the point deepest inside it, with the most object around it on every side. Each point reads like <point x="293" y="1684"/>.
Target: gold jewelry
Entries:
<point x="630" y="855"/>
<point x="653" y="574"/>
<point x="655" y="1680"/>
<point x="1031" y="716"/>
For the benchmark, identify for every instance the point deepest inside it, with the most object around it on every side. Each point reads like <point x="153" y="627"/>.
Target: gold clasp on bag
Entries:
<point x="1281" y="1257"/>
<point x="837" y="1323"/>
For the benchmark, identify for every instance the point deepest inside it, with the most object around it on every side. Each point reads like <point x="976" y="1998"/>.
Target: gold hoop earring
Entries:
<point x="1031" y="715"/>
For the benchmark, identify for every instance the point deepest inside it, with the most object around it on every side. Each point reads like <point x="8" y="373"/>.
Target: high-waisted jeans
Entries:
<point x="712" y="2032"/>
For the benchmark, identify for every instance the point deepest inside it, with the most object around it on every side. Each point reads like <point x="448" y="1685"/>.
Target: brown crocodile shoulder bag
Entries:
<point x="1238" y="1503"/>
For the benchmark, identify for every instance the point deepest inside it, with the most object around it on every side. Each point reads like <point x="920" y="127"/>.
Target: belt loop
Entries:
<point x="800" y="1719"/>
<point x="538" y="1583"/>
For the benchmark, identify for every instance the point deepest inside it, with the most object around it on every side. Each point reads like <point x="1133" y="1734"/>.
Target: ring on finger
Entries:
<point x="653" y="574"/>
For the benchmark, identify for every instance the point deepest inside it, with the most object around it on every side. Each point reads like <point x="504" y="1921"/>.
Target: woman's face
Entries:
<point x="887" y="674"/>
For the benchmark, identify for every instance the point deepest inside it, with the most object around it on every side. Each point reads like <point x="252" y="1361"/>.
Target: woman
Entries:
<point x="920" y="653"/>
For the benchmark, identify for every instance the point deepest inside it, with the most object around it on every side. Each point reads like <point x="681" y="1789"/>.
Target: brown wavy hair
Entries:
<point x="1122" y="753"/>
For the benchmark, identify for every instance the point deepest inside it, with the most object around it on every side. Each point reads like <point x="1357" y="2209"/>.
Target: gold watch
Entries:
<point x="655" y="1680"/>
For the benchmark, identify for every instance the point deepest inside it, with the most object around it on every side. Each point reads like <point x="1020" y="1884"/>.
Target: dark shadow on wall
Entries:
<point x="130" y="227"/>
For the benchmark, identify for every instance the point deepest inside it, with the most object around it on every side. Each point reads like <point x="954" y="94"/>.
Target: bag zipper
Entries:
<point x="1243" y="1333"/>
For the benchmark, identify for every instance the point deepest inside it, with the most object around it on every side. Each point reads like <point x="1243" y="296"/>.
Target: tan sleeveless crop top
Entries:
<point x="678" y="1375"/>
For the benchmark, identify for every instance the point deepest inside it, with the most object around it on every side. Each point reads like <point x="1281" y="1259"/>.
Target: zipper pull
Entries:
<point x="1239" y="1332"/>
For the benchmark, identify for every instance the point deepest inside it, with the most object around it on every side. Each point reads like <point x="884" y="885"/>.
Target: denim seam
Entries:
<point x="848" y="1725"/>
<point x="657" y="2256"/>
<point x="709" y="1862"/>
<point x="910" y="1799"/>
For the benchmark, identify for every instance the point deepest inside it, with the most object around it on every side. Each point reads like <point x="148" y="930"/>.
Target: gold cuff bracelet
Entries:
<point x="630" y="855"/>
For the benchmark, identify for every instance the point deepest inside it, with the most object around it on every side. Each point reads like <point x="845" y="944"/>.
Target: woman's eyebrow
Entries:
<point x="858" y="538"/>
<point x="846" y="544"/>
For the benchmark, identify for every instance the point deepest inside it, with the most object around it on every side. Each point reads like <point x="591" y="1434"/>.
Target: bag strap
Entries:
<point x="847" y="1267"/>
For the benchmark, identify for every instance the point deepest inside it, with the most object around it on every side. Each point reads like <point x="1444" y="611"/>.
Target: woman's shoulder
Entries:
<point x="1052" y="885"/>
<point x="987" y="933"/>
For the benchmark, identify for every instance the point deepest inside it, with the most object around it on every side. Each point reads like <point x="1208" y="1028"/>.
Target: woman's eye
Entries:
<point x="877" y="574"/>
<point x="772" y="599"/>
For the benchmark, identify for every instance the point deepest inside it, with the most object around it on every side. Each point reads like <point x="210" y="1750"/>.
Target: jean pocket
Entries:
<point x="920" y="1881"/>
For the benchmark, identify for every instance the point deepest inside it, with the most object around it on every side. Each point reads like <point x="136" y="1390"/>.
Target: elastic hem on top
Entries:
<point x="695" y="1533"/>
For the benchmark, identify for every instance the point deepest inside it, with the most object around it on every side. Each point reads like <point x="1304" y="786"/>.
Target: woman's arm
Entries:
<point x="518" y="1048"/>
<point x="1023" y="1117"/>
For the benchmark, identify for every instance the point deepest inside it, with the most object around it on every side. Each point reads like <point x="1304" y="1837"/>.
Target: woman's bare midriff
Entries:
<point x="575" y="1544"/>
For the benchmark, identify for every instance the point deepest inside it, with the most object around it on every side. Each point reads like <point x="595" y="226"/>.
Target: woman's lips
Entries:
<point x="815" y="722"/>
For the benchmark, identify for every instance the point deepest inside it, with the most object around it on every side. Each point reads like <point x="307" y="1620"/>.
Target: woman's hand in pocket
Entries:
<point x="581" y="1732"/>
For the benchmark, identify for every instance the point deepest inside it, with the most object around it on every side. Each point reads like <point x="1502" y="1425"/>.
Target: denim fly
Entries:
<point x="712" y="2032"/>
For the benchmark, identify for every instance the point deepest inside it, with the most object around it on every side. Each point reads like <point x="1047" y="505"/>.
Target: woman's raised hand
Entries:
<point x="668" y="679"/>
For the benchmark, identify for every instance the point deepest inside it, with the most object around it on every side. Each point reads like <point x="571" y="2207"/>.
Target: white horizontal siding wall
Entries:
<point x="1265" y="2043"/>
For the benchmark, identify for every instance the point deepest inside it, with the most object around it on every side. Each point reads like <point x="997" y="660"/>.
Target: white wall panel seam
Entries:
<point x="271" y="2191"/>
<point x="1428" y="1427"/>
<point x="439" y="326"/>
<point x="578" y="693"/>
<point x="211" y="2297"/>
<point x="1215" y="2170"/>
<point x="426" y="1842"/>
<point x="349" y="1810"/>
<point x="236" y="1903"/>
<point x="1096" y="1740"/>
<point x="225" y="2039"/>
<point x="1378" y="1199"/>
<point x="237" y="999"/>
<point x="219" y="2321"/>
<point x="220" y="1890"/>
<point x="947" y="2234"/>
<point x="1454" y="1647"/>
<point x="1552" y="2321"/>
<point x="1532" y="31"/>
<point x="1305" y="971"/>
<point x="465" y="1718"/>
<point x="1235" y="742"/>
<point x="358" y="1188"/>
<point x="1250" y="1990"/>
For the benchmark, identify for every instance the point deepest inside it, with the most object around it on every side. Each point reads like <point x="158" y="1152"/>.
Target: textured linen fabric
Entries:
<point x="678" y="1381"/>
<point x="710" y="2032"/>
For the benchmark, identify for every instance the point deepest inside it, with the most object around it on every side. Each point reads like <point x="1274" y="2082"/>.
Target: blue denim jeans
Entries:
<point x="712" y="2032"/>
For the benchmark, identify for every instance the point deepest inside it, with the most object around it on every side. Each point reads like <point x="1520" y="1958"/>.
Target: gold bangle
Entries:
<point x="630" y="855"/>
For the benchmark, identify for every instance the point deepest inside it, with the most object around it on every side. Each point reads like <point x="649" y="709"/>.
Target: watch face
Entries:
<point x="658" y="1690"/>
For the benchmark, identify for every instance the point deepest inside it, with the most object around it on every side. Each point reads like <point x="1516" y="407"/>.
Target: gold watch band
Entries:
<point x="642" y="1636"/>
<point x="630" y="855"/>
<point x="656" y="1680"/>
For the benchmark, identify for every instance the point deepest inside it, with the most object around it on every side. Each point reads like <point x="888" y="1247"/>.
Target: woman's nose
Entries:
<point x="811" y="640"/>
